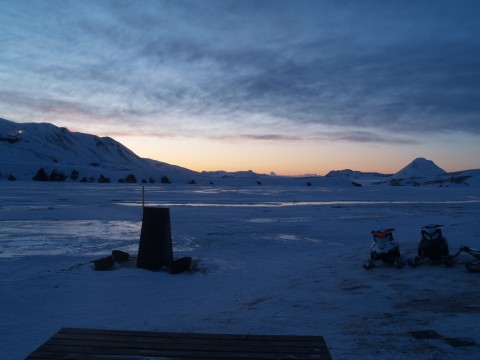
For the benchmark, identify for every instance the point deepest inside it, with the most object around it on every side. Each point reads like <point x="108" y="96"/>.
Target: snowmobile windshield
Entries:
<point x="432" y="236"/>
<point x="431" y="232"/>
<point x="384" y="243"/>
<point x="382" y="233"/>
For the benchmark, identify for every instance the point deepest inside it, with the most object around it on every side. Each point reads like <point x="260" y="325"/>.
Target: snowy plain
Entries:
<point x="269" y="260"/>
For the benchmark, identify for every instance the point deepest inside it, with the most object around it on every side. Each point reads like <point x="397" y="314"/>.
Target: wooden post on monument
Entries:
<point x="155" y="248"/>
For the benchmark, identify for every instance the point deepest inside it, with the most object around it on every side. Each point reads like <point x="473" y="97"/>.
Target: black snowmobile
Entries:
<point x="472" y="265"/>
<point x="384" y="248"/>
<point x="433" y="245"/>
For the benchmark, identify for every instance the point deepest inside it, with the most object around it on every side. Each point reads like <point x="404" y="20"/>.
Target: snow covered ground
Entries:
<point x="271" y="260"/>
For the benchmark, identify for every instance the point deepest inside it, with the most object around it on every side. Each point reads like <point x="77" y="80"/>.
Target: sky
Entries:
<point x="290" y="87"/>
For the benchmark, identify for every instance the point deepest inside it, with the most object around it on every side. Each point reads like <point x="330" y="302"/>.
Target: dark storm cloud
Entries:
<point x="435" y="87"/>
<point x="399" y="67"/>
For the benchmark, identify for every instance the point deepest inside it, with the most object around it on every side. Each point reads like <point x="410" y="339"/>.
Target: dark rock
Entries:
<point x="131" y="179"/>
<point x="120" y="256"/>
<point x="105" y="263"/>
<point x="103" y="179"/>
<point x="41" y="175"/>
<point x="181" y="265"/>
<point x="74" y="175"/>
<point x="56" y="176"/>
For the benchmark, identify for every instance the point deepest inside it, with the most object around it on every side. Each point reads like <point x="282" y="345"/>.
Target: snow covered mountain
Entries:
<point x="422" y="171"/>
<point x="420" y="167"/>
<point x="27" y="147"/>
<point x="419" y="172"/>
<point x="354" y="174"/>
<point x="46" y="142"/>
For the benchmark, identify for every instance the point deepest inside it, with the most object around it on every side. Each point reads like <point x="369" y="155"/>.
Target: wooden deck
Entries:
<point x="80" y="344"/>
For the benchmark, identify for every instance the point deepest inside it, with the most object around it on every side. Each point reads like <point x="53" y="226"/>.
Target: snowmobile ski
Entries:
<point x="472" y="265"/>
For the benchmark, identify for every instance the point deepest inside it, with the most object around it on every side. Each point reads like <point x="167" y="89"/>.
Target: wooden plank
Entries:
<point x="186" y="342"/>
<point x="182" y="335"/>
<point x="99" y="353"/>
<point x="183" y="340"/>
<point x="200" y="352"/>
<point x="89" y="344"/>
<point x="199" y="348"/>
<point x="260" y="348"/>
<point x="209" y="351"/>
<point x="277" y="341"/>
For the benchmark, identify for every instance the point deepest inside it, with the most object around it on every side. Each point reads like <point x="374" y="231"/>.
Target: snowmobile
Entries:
<point x="384" y="248"/>
<point x="433" y="245"/>
<point x="472" y="265"/>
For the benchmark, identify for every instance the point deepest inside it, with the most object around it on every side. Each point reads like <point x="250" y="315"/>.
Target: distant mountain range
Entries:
<point x="25" y="148"/>
<point x="419" y="172"/>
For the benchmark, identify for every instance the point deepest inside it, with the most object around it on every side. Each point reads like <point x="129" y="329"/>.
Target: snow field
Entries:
<point x="270" y="260"/>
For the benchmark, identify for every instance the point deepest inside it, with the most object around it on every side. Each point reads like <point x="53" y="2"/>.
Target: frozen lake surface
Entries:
<point x="277" y="260"/>
<point x="63" y="219"/>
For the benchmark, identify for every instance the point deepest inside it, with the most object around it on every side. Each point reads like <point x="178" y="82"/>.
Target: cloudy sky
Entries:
<point x="292" y="87"/>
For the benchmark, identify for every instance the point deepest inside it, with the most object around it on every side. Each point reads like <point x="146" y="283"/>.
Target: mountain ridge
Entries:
<point x="45" y="145"/>
<point x="27" y="147"/>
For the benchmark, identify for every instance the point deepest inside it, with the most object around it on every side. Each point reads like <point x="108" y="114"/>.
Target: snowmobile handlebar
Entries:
<point x="434" y="226"/>
<point x="382" y="230"/>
